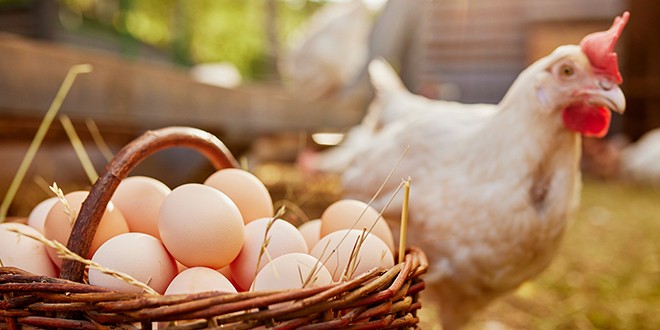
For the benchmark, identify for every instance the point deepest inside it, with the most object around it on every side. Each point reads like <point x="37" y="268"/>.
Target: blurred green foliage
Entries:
<point x="200" y="31"/>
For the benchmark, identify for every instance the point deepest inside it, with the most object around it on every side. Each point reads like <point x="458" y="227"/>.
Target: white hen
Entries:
<point x="492" y="185"/>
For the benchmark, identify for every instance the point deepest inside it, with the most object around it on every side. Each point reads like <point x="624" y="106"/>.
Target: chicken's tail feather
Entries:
<point x="383" y="76"/>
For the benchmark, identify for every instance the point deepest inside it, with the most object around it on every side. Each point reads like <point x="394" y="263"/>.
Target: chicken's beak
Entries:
<point x="608" y="94"/>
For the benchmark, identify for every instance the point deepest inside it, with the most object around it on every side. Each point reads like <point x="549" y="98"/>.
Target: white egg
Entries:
<point x="58" y="225"/>
<point x="246" y="190"/>
<point x="201" y="226"/>
<point x="292" y="271"/>
<point x="347" y="213"/>
<point x="311" y="231"/>
<point x="23" y="252"/>
<point x="38" y="214"/>
<point x="199" y="279"/>
<point x="373" y="252"/>
<point x="283" y="238"/>
<point x="139" y="255"/>
<point x="139" y="198"/>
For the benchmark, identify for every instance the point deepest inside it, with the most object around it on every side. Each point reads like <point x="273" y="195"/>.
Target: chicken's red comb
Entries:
<point x="599" y="48"/>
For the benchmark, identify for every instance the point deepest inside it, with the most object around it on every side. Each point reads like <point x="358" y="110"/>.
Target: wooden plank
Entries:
<point x="641" y="72"/>
<point x="544" y="37"/>
<point x="147" y="95"/>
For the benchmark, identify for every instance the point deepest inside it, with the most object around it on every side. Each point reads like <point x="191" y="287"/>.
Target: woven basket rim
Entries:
<point x="379" y="298"/>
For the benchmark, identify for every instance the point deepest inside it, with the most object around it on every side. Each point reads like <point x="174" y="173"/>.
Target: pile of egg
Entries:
<point x="205" y="237"/>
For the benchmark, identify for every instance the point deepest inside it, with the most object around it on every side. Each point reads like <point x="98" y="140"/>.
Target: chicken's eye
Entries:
<point x="567" y="71"/>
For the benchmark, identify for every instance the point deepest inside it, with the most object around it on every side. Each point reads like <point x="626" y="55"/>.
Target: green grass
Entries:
<point x="606" y="275"/>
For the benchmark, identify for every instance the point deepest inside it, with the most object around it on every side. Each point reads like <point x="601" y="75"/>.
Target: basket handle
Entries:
<point x="132" y="154"/>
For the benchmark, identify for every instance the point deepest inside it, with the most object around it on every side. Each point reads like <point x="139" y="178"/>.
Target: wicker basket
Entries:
<point x="378" y="299"/>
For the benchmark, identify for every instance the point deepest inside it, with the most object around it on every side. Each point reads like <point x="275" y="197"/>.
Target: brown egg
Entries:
<point x="201" y="226"/>
<point x="344" y="213"/>
<point x="23" y="252"/>
<point x="246" y="190"/>
<point x="58" y="225"/>
<point x="139" y="199"/>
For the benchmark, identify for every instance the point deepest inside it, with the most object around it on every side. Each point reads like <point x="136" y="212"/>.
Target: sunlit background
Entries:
<point x="190" y="32"/>
<point x="276" y="79"/>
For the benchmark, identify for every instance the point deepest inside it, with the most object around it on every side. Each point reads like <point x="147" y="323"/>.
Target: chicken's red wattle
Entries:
<point x="587" y="120"/>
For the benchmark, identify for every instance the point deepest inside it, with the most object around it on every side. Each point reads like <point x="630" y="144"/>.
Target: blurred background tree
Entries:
<point x="247" y="33"/>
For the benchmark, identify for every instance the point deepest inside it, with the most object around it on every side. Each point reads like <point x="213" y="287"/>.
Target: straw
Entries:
<point x="404" y="220"/>
<point x="79" y="148"/>
<point x="67" y="208"/>
<point x="39" y="137"/>
<point x="98" y="139"/>
<point x="264" y="245"/>
<point x="67" y="254"/>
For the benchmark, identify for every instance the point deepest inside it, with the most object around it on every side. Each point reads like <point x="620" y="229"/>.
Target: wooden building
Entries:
<point x="642" y="68"/>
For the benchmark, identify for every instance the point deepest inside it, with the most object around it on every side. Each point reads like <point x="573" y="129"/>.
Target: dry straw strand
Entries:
<point x="265" y="243"/>
<point x="42" y="183"/>
<point x="369" y="204"/>
<point x="65" y="253"/>
<point x="404" y="220"/>
<point x="310" y="280"/>
<point x="294" y="208"/>
<point x="383" y="185"/>
<point x="98" y="139"/>
<point x="383" y="253"/>
<point x="354" y="260"/>
<point x="316" y="268"/>
<point x="67" y="208"/>
<point x="79" y="148"/>
<point x="369" y="230"/>
<point x="374" y="198"/>
<point x="244" y="163"/>
<point x="40" y="135"/>
<point x="380" y="215"/>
